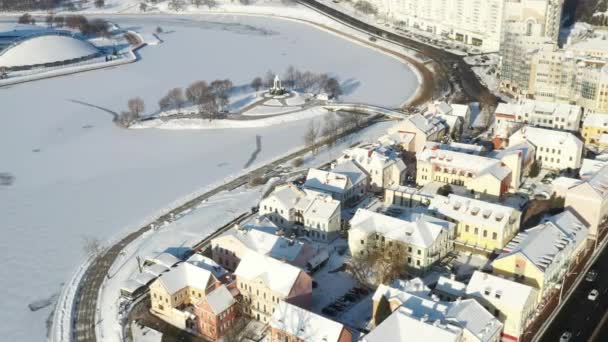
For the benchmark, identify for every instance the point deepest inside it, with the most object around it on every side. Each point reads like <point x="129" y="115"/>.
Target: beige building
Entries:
<point x="540" y="256"/>
<point x="481" y="227"/>
<point x="512" y="303"/>
<point x="594" y="127"/>
<point x="175" y="293"/>
<point x="422" y="240"/>
<point x="487" y="176"/>
<point x="264" y="282"/>
<point x="345" y="182"/>
<point x="407" y="196"/>
<point x="589" y="200"/>
<point x="418" y="130"/>
<point x="294" y="324"/>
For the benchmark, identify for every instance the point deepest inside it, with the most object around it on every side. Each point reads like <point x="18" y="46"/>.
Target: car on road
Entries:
<point x="566" y="336"/>
<point x="593" y="294"/>
<point x="591" y="276"/>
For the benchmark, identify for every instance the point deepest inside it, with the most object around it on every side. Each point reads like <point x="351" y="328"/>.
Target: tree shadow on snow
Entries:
<point x="349" y="86"/>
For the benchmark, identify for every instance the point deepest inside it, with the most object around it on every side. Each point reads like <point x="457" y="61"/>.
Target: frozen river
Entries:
<point x="76" y="174"/>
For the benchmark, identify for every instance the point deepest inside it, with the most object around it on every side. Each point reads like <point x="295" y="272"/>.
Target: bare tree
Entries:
<point x="197" y="3"/>
<point x="177" y="5"/>
<point x="376" y="265"/>
<point x="196" y="91"/>
<point x="50" y="19"/>
<point x="221" y="89"/>
<point x="256" y="84"/>
<point x="92" y="246"/>
<point x="210" y="3"/>
<point x="332" y="88"/>
<point x="59" y="20"/>
<point x="290" y="77"/>
<point x="330" y="129"/>
<point x="164" y="103"/>
<point x="26" y="18"/>
<point x="143" y="6"/>
<point x="136" y="107"/>
<point x="176" y="98"/>
<point x="311" y="135"/>
<point x="100" y="3"/>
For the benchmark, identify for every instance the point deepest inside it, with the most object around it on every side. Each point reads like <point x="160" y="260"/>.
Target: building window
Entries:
<point x="494" y="236"/>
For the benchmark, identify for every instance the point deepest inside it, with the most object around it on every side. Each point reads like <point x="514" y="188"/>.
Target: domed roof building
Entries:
<point x="46" y="49"/>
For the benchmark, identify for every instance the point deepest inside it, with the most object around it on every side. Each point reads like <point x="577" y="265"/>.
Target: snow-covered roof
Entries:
<point x="305" y="325"/>
<point x="599" y="181"/>
<point x="421" y="231"/>
<point x="166" y="259"/>
<point x="47" y="47"/>
<point x="460" y="110"/>
<point x="590" y="167"/>
<point x="524" y="148"/>
<point x="144" y="278"/>
<point x="373" y="156"/>
<point x="428" y="125"/>
<point x="288" y="196"/>
<point x="480" y="213"/>
<point x="443" y="107"/>
<point x="546" y="138"/>
<point x="450" y="286"/>
<point x="456" y="147"/>
<point x="565" y="182"/>
<point x="496" y="289"/>
<point x="262" y="223"/>
<point x="265" y="243"/>
<point x="185" y="274"/>
<point x="327" y="181"/>
<point x="463" y="162"/>
<point x="510" y="109"/>
<point x="398" y="287"/>
<point x="208" y="264"/>
<point x="400" y="327"/>
<point x="599" y="120"/>
<point x="156" y="269"/>
<point x="544" y="242"/>
<point x="396" y="138"/>
<point x="351" y="170"/>
<point x="321" y="207"/>
<point x="220" y="299"/>
<point x="277" y="275"/>
<point x="553" y="109"/>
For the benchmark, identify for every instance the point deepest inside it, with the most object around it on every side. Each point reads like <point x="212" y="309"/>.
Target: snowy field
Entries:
<point x="76" y="174"/>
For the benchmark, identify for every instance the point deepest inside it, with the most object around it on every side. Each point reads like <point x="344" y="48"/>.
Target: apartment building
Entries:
<point x="555" y="150"/>
<point x="540" y="256"/>
<point x="382" y="164"/>
<point x="476" y="23"/>
<point x="264" y="282"/>
<point x="527" y="26"/>
<point x="422" y="240"/>
<point x="481" y="227"/>
<point x="318" y="216"/>
<point x="514" y="304"/>
<point x="483" y="175"/>
<point x="293" y="324"/>
<point x="216" y="313"/>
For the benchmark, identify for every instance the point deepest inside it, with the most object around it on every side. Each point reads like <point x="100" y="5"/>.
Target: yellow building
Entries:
<point x="594" y="126"/>
<point x="512" y="303"/>
<point x="540" y="256"/>
<point x="181" y="287"/>
<point x="482" y="227"/>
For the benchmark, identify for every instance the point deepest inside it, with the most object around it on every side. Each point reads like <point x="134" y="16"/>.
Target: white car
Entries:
<point x="593" y="295"/>
<point x="591" y="275"/>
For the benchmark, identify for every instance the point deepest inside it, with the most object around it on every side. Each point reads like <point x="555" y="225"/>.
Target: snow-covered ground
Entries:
<point x="76" y="174"/>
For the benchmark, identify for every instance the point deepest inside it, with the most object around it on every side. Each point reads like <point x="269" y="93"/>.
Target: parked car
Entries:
<point x="591" y="275"/>
<point x="593" y="294"/>
<point x="566" y="336"/>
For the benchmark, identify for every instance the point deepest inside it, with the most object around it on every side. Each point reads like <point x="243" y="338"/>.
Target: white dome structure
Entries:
<point x="46" y="48"/>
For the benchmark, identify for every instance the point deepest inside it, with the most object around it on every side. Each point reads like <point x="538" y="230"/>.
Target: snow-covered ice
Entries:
<point x="77" y="174"/>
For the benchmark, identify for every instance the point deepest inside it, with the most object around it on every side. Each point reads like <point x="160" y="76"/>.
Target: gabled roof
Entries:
<point x="166" y="259"/>
<point x="321" y="207"/>
<point x="546" y="138"/>
<point x="599" y="181"/>
<point x="185" y="274"/>
<point x="220" y="299"/>
<point x="265" y="243"/>
<point x="450" y="286"/>
<point x="422" y="230"/>
<point x="280" y="277"/>
<point x="598" y="120"/>
<point x="427" y="125"/>
<point x="327" y="181"/>
<point x="288" y="196"/>
<point x="544" y="242"/>
<point x="471" y="210"/>
<point x="305" y="325"/>
<point x="351" y="170"/>
<point x="496" y="289"/>
<point x="208" y="264"/>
